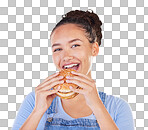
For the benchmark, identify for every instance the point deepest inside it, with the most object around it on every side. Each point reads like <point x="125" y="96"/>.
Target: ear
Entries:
<point x="95" y="49"/>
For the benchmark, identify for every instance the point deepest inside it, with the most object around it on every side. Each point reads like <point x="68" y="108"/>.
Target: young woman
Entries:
<point x="74" y="40"/>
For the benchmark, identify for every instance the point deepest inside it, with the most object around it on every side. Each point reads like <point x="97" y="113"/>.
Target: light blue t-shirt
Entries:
<point x="118" y="109"/>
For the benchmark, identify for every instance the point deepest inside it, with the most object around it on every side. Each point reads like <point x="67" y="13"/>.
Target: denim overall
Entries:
<point x="76" y="124"/>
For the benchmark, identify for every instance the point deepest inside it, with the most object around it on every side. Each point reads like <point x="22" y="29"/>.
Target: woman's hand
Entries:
<point x="43" y="99"/>
<point x="43" y="95"/>
<point x="88" y="86"/>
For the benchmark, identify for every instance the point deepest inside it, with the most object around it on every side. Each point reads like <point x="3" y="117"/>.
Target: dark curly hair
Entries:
<point x="87" y="20"/>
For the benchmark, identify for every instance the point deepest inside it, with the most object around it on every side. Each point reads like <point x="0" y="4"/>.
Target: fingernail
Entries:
<point x="67" y="81"/>
<point x="62" y="81"/>
<point x="57" y="73"/>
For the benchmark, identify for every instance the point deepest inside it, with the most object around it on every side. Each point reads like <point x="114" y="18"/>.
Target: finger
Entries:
<point x="81" y="91"/>
<point x="81" y="80"/>
<point x="81" y="84"/>
<point x="50" y="77"/>
<point x="48" y="87"/>
<point x="49" y="82"/>
<point x="50" y="92"/>
<point x="82" y="75"/>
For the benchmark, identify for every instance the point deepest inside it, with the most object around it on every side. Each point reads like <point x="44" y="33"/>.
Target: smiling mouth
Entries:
<point x="74" y="67"/>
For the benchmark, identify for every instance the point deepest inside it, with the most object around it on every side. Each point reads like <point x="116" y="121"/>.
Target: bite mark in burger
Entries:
<point x="65" y="92"/>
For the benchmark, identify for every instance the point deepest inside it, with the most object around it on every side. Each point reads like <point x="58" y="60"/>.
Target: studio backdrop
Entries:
<point x="120" y="69"/>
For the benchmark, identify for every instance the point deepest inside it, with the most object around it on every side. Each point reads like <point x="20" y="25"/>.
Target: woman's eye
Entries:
<point x="56" y="50"/>
<point x="76" y="45"/>
<point x="61" y="49"/>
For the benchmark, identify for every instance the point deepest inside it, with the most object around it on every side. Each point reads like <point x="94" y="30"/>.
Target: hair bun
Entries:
<point x="88" y="20"/>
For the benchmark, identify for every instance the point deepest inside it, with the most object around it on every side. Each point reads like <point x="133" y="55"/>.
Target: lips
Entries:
<point x="76" y="67"/>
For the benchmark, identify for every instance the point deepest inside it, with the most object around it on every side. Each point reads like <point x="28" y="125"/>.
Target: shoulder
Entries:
<point x="112" y="101"/>
<point x="29" y="100"/>
<point x="30" y="96"/>
<point x="116" y="105"/>
<point x="120" y="111"/>
<point x="116" y="102"/>
<point x="24" y="111"/>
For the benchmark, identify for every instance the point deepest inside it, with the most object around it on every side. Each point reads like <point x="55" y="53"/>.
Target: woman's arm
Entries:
<point x="24" y="111"/>
<point x="104" y="119"/>
<point x="93" y="100"/>
<point x="32" y="121"/>
<point x="123" y="118"/>
<point x="123" y="115"/>
<point x="27" y="111"/>
<point x="34" y="107"/>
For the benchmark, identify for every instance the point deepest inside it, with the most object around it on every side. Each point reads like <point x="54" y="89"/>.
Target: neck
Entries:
<point x="79" y="98"/>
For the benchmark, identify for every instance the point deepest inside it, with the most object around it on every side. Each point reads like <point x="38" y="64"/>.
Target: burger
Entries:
<point x="65" y="92"/>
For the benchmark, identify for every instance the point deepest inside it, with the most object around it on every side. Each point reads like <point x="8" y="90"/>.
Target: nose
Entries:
<point x="67" y="56"/>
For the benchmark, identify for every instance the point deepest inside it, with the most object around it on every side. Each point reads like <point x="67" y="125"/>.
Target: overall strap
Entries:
<point x="103" y="97"/>
<point x="52" y="108"/>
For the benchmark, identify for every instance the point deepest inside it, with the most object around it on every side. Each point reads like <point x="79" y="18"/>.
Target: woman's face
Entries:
<point x="69" y="46"/>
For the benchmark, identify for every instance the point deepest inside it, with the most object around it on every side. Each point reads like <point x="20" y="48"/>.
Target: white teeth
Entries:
<point x="68" y="66"/>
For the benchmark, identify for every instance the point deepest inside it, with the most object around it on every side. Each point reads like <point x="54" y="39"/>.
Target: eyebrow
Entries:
<point x="73" y="40"/>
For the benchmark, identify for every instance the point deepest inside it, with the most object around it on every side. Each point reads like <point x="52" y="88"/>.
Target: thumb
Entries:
<point x="54" y="95"/>
<point x="51" y="97"/>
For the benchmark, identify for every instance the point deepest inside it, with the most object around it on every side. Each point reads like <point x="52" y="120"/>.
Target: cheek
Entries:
<point x="87" y="58"/>
<point x="79" y="54"/>
<point x="84" y="57"/>
<point x="55" y="59"/>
